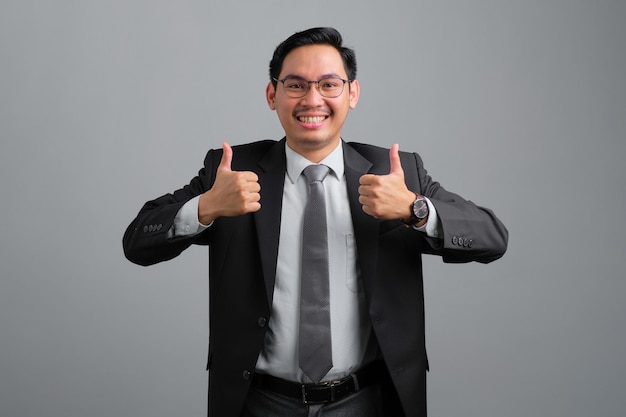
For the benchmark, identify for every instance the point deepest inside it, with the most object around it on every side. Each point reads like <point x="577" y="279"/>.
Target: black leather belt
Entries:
<point x="324" y="392"/>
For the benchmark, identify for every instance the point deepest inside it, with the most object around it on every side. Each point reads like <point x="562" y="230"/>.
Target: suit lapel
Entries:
<point x="366" y="228"/>
<point x="267" y="219"/>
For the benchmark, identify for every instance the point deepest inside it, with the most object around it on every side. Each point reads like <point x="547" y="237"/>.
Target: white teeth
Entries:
<point x="315" y="119"/>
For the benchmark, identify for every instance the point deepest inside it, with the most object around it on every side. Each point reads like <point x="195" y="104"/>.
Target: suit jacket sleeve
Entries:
<point x="148" y="239"/>
<point x="470" y="232"/>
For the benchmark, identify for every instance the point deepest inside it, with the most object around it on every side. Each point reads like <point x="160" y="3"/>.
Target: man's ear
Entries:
<point x="355" y="91"/>
<point x="270" y="95"/>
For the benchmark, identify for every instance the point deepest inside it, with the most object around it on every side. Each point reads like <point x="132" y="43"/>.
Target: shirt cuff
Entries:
<point x="432" y="227"/>
<point x="186" y="222"/>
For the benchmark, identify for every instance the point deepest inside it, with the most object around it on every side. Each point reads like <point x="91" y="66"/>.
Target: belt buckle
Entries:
<point x="321" y="387"/>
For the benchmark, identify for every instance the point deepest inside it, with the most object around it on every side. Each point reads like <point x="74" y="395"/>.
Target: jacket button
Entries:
<point x="455" y="240"/>
<point x="470" y="243"/>
<point x="465" y="243"/>
<point x="145" y="229"/>
<point x="262" y="321"/>
<point x="247" y="374"/>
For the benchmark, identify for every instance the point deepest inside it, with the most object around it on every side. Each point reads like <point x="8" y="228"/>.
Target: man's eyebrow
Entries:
<point x="300" y="77"/>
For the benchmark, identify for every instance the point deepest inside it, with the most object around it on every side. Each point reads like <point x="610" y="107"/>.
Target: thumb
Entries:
<point x="394" y="161"/>
<point x="227" y="157"/>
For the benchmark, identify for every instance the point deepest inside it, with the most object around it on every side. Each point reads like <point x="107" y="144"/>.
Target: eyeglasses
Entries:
<point x="296" y="87"/>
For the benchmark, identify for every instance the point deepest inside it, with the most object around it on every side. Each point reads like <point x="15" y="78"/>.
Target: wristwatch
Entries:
<point x="419" y="211"/>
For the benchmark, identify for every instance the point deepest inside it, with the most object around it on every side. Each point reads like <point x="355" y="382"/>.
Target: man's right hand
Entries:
<point x="233" y="193"/>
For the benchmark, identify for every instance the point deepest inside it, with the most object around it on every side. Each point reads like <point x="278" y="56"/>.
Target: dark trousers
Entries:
<point x="363" y="403"/>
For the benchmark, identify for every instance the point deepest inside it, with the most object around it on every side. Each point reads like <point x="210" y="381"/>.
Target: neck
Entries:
<point x="315" y="154"/>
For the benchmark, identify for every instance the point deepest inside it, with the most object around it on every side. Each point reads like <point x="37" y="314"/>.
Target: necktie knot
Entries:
<point x="316" y="172"/>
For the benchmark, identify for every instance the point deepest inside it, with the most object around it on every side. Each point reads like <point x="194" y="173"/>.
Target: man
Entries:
<point x="382" y="210"/>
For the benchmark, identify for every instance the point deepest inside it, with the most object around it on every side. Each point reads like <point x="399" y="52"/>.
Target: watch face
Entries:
<point x="420" y="208"/>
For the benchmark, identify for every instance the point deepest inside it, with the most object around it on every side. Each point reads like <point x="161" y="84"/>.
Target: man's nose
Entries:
<point x="313" y="94"/>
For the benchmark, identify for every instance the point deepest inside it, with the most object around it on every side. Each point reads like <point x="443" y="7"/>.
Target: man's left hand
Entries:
<point x="386" y="197"/>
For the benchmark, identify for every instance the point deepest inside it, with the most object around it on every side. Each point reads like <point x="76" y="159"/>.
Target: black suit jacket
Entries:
<point x="242" y="267"/>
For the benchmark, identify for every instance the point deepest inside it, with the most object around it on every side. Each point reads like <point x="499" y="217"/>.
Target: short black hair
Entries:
<point x="313" y="36"/>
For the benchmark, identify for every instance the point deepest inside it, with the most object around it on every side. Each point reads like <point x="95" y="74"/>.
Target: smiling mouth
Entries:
<point x="311" y="119"/>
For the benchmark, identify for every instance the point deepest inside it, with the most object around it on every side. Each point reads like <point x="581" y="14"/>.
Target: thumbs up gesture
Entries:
<point x="233" y="193"/>
<point x="386" y="196"/>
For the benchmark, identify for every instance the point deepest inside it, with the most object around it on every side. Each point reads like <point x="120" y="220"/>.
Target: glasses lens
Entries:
<point x="296" y="87"/>
<point x="331" y="87"/>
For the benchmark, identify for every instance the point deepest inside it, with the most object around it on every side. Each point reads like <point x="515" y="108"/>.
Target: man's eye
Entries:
<point x="294" y="86"/>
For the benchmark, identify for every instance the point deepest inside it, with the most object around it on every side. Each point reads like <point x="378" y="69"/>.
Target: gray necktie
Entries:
<point x="315" y="344"/>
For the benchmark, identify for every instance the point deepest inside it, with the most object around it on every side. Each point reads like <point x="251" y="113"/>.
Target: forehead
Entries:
<point x="312" y="61"/>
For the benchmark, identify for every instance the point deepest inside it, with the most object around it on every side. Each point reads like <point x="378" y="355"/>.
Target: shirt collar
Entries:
<point x="296" y="162"/>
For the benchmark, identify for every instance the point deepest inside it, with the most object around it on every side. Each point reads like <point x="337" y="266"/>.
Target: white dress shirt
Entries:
<point x="350" y="325"/>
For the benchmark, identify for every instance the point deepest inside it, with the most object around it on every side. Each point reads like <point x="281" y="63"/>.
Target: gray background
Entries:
<point x="517" y="105"/>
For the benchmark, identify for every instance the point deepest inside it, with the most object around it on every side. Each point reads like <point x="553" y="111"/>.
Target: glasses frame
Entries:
<point x="309" y="83"/>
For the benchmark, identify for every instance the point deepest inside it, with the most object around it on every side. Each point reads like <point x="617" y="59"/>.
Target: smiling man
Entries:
<point x="316" y="293"/>
<point x="313" y="112"/>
